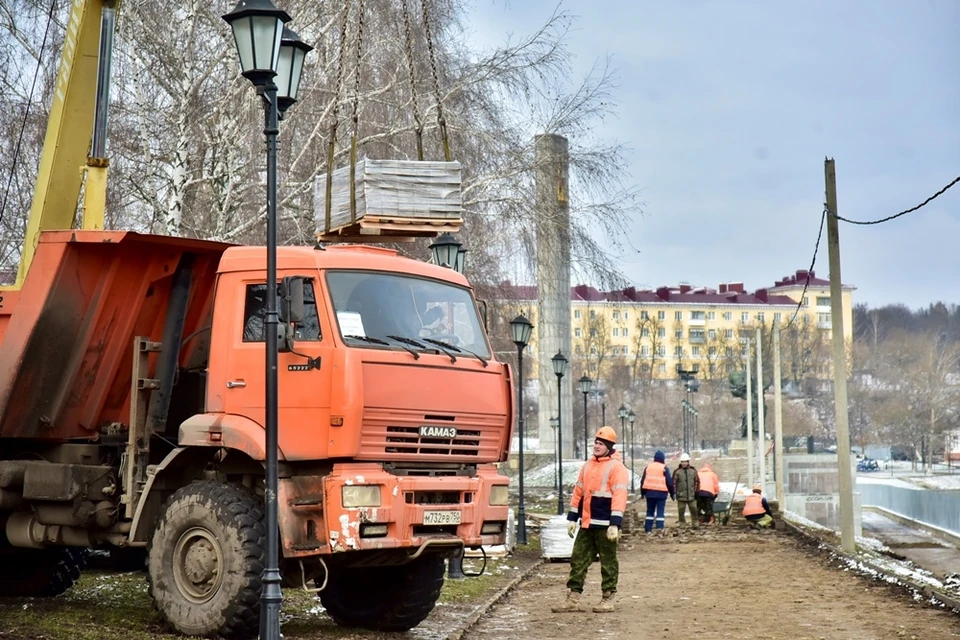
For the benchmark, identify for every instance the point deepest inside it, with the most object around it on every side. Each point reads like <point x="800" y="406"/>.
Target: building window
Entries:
<point x="806" y="301"/>
<point x="823" y="318"/>
<point x="593" y="333"/>
<point x="661" y="315"/>
<point x="678" y="334"/>
<point x="698" y="315"/>
<point x="616" y="332"/>
<point x="662" y="368"/>
<point x="713" y="351"/>
<point x="711" y="315"/>
<point x="743" y="352"/>
<point x="625" y="332"/>
<point x="644" y="315"/>
<point x="744" y="317"/>
<point x="625" y="351"/>
<point x="616" y="315"/>
<point x="695" y="351"/>
<point x="661" y="333"/>
<point x="578" y="350"/>
<point x="696" y="334"/>
<point x="728" y="316"/>
<point x="254" y="314"/>
<point x="728" y="334"/>
<point x="661" y="351"/>
<point x="626" y="316"/>
<point x="678" y="351"/>
<point x="593" y="351"/>
<point x="645" y="351"/>
<point x="645" y="333"/>
<point x="616" y="351"/>
<point x="576" y="314"/>
<point x="777" y="316"/>
<point x="823" y="301"/>
<point x="760" y="317"/>
<point x="678" y="315"/>
<point x="577" y="333"/>
<point x="593" y="314"/>
<point x="729" y="351"/>
<point x="712" y="334"/>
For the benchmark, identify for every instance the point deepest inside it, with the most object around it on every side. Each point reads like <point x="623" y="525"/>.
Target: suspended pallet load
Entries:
<point x="389" y="201"/>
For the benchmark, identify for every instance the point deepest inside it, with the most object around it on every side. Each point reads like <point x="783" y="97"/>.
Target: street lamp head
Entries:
<point x="445" y="250"/>
<point x="622" y="412"/>
<point x="554" y="422"/>
<point x="632" y="417"/>
<point x="521" y="329"/>
<point x="290" y="69"/>
<point x="693" y="385"/>
<point x="560" y="364"/>
<point x="257" y="28"/>
<point x="585" y="384"/>
<point x="461" y="261"/>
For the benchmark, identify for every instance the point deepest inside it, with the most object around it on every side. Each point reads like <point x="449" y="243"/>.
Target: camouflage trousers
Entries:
<point x="589" y="544"/>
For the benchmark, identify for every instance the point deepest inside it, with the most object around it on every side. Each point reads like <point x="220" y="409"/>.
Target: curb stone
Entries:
<point x="495" y="599"/>
<point x="926" y="590"/>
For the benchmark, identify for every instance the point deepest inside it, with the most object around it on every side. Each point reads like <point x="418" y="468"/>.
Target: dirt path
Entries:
<point x="713" y="585"/>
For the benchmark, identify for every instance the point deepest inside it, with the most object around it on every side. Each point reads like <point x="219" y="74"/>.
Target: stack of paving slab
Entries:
<point x="396" y="201"/>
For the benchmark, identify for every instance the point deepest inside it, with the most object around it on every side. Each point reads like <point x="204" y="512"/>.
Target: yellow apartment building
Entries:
<point x="650" y="334"/>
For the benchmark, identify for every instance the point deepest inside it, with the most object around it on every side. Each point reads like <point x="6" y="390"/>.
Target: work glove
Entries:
<point x="571" y="528"/>
<point x="613" y="533"/>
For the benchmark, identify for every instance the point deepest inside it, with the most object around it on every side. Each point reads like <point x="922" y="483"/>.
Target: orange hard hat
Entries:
<point x="758" y="488"/>
<point x="607" y="433"/>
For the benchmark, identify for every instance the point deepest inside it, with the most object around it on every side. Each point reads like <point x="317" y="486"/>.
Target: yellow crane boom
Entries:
<point x="69" y="162"/>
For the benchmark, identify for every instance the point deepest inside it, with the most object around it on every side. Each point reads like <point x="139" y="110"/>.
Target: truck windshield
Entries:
<point x="374" y="309"/>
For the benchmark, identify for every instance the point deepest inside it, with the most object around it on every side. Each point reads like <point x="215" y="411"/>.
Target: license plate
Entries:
<point x="441" y="517"/>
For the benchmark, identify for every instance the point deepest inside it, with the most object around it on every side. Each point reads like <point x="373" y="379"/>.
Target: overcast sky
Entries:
<point x="729" y="108"/>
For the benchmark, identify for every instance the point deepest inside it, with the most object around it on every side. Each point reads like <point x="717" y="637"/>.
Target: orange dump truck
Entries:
<point x="132" y="415"/>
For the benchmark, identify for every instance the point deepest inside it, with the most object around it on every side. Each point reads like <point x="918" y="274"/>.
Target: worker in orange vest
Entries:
<point x="707" y="491"/>
<point x="655" y="485"/>
<point x="599" y="500"/>
<point x="757" y="511"/>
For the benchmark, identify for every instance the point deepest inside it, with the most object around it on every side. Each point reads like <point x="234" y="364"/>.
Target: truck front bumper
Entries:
<point x="412" y="512"/>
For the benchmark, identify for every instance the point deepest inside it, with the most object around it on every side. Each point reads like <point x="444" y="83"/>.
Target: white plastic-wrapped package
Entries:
<point x="555" y="544"/>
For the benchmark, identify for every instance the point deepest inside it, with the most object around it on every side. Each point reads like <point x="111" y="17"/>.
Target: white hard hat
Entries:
<point x="684" y="457"/>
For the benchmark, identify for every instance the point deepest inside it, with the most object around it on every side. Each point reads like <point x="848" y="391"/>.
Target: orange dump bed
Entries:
<point x="66" y="338"/>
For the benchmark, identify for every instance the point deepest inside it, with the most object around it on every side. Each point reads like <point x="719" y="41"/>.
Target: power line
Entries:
<point x="813" y="262"/>
<point x="26" y="112"/>
<point x="902" y="213"/>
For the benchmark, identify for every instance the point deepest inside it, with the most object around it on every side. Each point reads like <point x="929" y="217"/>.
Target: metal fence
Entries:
<point x="937" y="508"/>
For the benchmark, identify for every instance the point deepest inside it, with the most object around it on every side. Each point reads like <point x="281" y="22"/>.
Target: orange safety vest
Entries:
<point x="709" y="481"/>
<point x="600" y="495"/>
<point x="753" y="506"/>
<point x="653" y="479"/>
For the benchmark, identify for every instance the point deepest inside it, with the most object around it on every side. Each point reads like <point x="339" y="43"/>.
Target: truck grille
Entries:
<point x="395" y="435"/>
<point x="408" y="440"/>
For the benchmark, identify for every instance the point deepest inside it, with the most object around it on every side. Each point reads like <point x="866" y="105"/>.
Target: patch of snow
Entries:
<point x="892" y="482"/>
<point x="940" y="483"/>
<point x="796" y="518"/>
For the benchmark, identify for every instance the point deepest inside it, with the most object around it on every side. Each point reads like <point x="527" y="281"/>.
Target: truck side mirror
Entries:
<point x="284" y="337"/>
<point x="291" y="299"/>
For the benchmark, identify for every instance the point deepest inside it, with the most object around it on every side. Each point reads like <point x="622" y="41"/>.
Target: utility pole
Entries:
<point x="762" y="435"/>
<point x="847" y="537"/>
<point x="778" y="416"/>
<point x="749" y="422"/>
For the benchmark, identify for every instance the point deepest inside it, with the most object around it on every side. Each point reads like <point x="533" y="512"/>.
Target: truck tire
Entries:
<point x="40" y="573"/>
<point x="384" y="598"/>
<point x="205" y="558"/>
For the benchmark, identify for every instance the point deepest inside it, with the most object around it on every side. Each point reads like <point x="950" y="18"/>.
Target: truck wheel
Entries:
<point x="40" y="573"/>
<point x="384" y="598"/>
<point x="205" y="559"/>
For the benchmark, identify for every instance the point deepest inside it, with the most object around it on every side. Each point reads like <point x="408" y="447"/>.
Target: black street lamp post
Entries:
<point x="633" y="454"/>
<point x="521" y="329"/>
<point x="692" y="385"/>
<point x="560" y="364"/>
<point x="585" y="385"/>
<point x="269" y="54"/>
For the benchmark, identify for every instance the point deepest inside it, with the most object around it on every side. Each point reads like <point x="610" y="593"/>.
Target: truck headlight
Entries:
<point x="499" y="495"/>
<point x="360" y="495"/>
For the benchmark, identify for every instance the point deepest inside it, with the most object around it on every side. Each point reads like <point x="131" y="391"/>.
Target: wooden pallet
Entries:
<point x="391" y="229"/>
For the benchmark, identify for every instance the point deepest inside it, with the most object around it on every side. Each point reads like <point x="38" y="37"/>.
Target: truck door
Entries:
<point x="303" y="378"/>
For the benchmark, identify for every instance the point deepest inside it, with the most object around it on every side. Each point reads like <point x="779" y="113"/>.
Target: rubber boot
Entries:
<point x="606" y="603"/>
<point x="570" y="605"/>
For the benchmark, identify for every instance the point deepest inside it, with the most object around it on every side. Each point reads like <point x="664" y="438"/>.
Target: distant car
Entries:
<point x="868" y="464"/>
